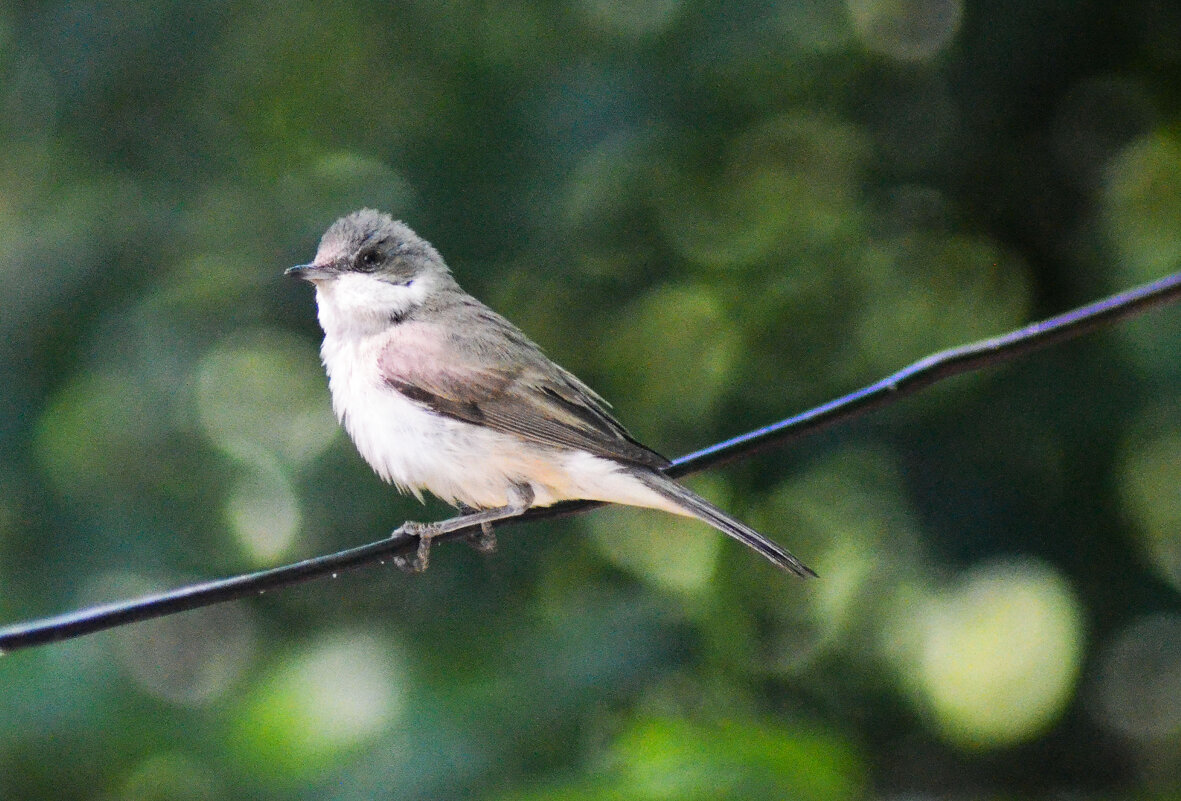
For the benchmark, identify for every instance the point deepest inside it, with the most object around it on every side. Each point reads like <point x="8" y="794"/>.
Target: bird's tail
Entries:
<point x="693" y="505"/>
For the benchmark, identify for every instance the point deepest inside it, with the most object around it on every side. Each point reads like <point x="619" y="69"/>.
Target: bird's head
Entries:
<point x="370" y="271"/>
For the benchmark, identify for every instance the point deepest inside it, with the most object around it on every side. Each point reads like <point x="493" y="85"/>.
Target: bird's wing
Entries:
<point x="497" y="377"/>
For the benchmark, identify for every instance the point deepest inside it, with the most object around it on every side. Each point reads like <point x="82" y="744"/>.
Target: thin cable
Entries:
<point x="906" y="381"/>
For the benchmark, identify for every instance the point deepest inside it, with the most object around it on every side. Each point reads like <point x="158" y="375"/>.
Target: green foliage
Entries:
<point x="718" y="214"/>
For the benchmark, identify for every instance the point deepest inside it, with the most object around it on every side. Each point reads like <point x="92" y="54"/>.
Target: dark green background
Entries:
<point x="718" y="214"/>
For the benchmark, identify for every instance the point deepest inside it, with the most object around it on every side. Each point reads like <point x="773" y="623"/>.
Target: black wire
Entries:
<point x="906" y="381"/>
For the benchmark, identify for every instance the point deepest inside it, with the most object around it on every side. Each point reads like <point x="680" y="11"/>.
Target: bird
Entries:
<point x="440" y="393"/>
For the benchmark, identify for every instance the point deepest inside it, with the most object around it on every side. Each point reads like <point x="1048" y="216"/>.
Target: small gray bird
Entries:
<point x="439" y="392"/>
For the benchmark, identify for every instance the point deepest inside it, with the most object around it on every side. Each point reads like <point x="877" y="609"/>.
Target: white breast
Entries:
<point x="416" y="449"/>
<point x="403" y="442"/>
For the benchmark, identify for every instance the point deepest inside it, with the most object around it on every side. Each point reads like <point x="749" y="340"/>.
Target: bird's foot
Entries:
<point x="421" y="559"/>
<point x="521" y="498"/>
<point x="485" y="540"/>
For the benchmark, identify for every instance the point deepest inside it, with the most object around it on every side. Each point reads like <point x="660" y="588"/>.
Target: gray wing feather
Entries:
<point x="501" y="380"/>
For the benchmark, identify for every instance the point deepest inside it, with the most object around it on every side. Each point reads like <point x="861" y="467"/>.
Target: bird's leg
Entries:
<point x="520" y="499"/>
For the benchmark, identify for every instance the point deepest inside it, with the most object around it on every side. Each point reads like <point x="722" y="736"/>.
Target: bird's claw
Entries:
<point x="421" y="559"/>
<point x="484" y="540"/>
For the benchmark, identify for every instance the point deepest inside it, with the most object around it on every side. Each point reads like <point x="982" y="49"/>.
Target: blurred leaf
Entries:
<point x="666" y="758"/>
<point x="1150" y="486"/>
<point x="170" y="777"/>
<point x="790" y="183"/>
<point x="993" y="659"/>
<point x="1143" y="205"/>
<point x="316" y="706"/>
<point x="716" y="213"/>
<point x="264" y="390"/>
<point x="739" y="759"/>
<point x="674" y="352"/>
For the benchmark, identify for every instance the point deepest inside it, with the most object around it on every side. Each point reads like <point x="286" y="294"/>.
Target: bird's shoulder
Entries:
<point x="470" y="363"/>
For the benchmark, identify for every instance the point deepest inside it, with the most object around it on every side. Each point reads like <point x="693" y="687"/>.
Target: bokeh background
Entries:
<point x="718" y="214"/>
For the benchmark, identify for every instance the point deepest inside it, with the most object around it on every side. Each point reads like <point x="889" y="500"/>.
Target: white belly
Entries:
<point x="417" y="449"/>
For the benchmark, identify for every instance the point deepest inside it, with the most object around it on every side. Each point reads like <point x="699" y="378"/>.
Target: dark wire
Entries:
<point x="906" y="381"/>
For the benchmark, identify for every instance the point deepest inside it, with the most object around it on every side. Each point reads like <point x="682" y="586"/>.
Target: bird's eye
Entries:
<point x="368" y="261"/>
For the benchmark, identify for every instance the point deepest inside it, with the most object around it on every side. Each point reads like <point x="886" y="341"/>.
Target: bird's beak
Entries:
<point x="309" y="272"/>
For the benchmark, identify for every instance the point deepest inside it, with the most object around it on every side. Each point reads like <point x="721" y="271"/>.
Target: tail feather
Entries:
<point x="699" y="507"/>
